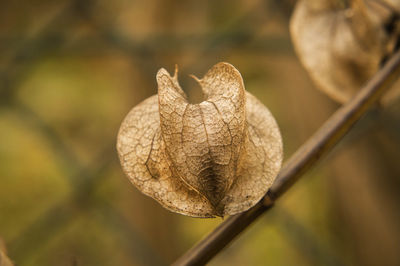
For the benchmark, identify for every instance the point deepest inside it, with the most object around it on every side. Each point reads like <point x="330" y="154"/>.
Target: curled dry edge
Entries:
<point x="343" y="43"/>
<point x="215" y="158"/>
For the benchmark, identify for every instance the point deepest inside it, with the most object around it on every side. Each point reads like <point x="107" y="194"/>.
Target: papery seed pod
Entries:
<point x="342" y="43"/>
<point x="215" y="158"/>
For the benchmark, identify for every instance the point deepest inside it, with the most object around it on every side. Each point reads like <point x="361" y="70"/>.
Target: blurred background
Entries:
<point x="70" y="71"/>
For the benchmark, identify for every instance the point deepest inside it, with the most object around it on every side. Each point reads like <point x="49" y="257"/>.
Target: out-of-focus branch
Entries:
<point x="306" y="156"/>
<point x="4" y="260"/>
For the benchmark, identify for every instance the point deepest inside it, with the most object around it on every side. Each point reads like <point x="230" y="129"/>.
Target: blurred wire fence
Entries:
<point x="71" y="70"/>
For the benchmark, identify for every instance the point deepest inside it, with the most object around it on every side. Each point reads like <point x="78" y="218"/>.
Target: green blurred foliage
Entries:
<point x="71" y="70"/>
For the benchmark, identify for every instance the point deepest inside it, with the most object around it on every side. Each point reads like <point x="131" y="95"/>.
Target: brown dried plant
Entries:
<point x="342" y="43"/>
<point x="215" y="158"/>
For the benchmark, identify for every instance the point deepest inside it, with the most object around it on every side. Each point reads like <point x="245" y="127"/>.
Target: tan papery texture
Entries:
<point x="215" y="158"/>
<point x="342" y="43"/>
<point x="4" y="260"/>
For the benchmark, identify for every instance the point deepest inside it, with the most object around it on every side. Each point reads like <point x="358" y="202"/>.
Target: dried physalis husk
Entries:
<point x="342" y="43"/>
<point x="215" y="158"/>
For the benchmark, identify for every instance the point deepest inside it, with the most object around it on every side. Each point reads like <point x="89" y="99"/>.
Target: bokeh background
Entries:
<point x="70" y="70"/>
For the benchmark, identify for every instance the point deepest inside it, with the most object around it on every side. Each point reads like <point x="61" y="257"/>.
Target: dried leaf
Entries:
<point x="342" y="43"/>
<point x="215" y="158"/>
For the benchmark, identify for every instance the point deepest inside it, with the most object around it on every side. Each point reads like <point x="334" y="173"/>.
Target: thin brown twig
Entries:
<point x="306" y="156"/>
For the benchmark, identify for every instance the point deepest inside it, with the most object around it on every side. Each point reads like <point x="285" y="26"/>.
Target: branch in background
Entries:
<point x="306" y="156"/>
<point x="4" y="260"/>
